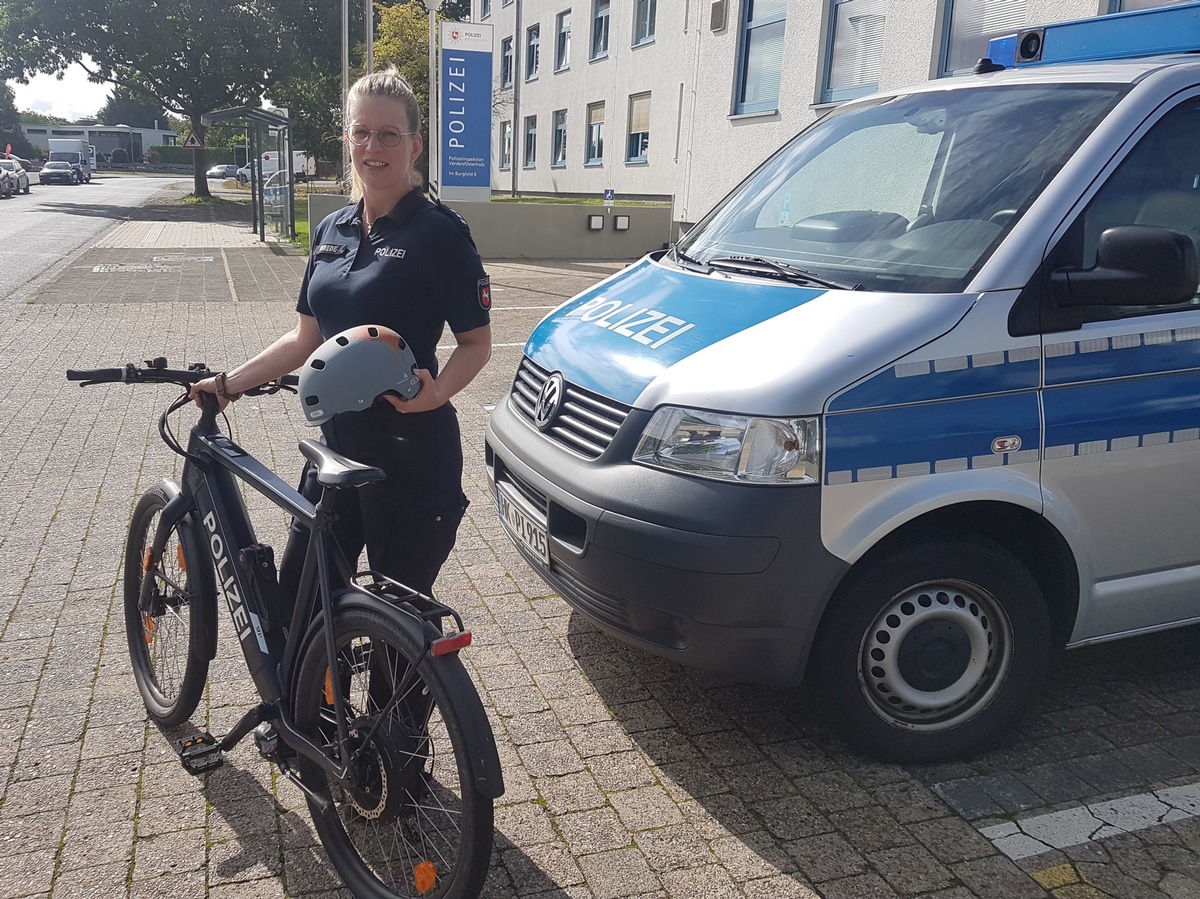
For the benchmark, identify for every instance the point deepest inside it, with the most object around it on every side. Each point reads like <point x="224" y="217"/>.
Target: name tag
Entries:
<point x="331" y="249"/>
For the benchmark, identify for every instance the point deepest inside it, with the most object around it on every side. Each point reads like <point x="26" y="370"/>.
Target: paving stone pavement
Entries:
<point x="626" y="776"/>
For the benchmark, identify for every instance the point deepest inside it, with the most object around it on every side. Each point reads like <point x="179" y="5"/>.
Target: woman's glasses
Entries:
<point x="389" y="137"/>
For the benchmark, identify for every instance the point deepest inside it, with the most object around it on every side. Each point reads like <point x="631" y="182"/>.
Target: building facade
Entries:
<point x="680" y="100"/>
<point x="105" y="138"/>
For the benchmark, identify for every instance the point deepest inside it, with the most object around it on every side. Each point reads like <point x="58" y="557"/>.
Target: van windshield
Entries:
<point x="910" y="194"/>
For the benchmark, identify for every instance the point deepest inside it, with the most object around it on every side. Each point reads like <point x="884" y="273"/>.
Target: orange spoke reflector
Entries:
<point x="179" y="556"/>
<point x="150" y="628"/>
<point x="453" y="643"/>
<point x="328" y="688"/>
<point x="424" y="876"/>
<point x="146" y="561"/>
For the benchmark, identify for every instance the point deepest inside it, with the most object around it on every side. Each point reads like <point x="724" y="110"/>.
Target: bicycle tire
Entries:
<point x="431" y="837"/>
<point x="170" y="665"/>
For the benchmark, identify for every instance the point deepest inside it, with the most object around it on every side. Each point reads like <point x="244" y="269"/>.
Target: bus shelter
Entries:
<point x="266" y="132"/>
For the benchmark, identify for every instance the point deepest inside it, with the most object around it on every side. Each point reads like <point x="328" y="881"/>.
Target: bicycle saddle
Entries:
<point x="335" y="470"/>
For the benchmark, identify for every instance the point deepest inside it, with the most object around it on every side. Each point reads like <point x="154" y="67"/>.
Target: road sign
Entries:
<point x="610" y="196"/>
<point x="191" y="143"/>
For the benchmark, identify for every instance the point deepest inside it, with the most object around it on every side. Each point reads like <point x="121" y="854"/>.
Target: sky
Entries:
<point x="72" y="98"/>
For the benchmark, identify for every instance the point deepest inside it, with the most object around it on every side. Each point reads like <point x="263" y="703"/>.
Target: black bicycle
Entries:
<point x="365" y="704"/>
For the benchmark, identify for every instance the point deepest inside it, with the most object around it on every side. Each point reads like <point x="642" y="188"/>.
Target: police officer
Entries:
<point x="398" y="260"/>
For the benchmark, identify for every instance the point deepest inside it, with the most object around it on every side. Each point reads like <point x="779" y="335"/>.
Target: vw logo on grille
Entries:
<point x="549" y="401"/>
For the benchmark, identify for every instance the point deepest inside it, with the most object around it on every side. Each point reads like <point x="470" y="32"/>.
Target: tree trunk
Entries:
<point x="199" y="160"/>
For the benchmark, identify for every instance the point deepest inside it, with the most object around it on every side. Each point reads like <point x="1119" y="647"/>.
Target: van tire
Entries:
<point x="931" y="652"/>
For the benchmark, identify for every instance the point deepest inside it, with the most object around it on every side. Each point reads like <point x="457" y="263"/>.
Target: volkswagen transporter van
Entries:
<point x="916" y="403"/>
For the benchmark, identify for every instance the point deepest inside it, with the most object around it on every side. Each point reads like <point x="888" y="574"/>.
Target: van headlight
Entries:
<point x="732" y="447"/>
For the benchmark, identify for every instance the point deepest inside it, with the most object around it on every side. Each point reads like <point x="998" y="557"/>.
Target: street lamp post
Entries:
<point x="345" y="89"/>
<point x="433" y="7"/>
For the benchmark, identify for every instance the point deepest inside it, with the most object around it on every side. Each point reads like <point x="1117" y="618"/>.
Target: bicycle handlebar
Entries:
<point x="155" y="371"/>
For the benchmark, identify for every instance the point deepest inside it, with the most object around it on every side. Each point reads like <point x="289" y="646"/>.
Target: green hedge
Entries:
<point x="184" y="156"/>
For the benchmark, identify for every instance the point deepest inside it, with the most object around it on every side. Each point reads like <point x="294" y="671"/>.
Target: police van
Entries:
<point x="918" y="402"/>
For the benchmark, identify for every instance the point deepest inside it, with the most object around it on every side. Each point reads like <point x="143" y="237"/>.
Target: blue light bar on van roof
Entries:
<point x="1142" y="32"/>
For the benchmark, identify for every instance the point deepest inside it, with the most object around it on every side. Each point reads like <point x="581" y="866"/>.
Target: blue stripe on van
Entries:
<point x="1122" y="356"/>
<point x="1113" y="416"/>
<point x="944" y="379"/>
<point x="930" y="438"/>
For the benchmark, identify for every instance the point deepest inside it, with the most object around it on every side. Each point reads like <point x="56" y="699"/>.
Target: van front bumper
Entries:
<point x="728" y="578"/>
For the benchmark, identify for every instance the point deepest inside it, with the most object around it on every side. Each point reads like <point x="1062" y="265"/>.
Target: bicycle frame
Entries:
<point x="209" y="489"/>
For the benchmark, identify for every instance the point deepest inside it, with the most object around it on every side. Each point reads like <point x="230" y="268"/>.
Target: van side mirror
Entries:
<point x="1136" y="265"/>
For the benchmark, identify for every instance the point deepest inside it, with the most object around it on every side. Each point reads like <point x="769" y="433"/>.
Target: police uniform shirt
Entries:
<point x="416" y="271"/>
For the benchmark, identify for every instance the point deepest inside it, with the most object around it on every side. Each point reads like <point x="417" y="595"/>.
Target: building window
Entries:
<point x="560" y="138"/>
<point x="643" y="21"/>
<point x="855" y="43"/>
<point x="639" y="128"/>
<point x="533" y="40"/>
<point x="562" y="43"/>
<point x="530" y="158"/>
<point x="595" y="134"/>
<point x="1127" y="5"/>
<point x="600" y="28"/>
<point x="485" y="8"/>
<point x="506" y="145"/>
<point x="506" y="62"/>
<point x="760" y="55"/>
<point x="971" y="24"/>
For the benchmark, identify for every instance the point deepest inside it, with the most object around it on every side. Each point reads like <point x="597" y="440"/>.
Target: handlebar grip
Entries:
<point x="96" y="374"/>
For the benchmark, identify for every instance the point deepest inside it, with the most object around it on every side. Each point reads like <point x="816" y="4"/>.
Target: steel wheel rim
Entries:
<point x="955" y="635"/>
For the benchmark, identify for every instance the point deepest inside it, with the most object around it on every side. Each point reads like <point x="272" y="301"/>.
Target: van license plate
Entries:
<point x="526" y="530"/>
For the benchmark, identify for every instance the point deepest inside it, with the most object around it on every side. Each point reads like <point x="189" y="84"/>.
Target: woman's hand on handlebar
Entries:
<point x="208" y="385"/>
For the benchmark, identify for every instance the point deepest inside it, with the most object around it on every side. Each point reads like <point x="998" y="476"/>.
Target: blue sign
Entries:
<point x="465" y="126"/>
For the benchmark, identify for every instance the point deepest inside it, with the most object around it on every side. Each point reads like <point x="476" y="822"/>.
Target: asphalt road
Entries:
<point x="41" y="228"/>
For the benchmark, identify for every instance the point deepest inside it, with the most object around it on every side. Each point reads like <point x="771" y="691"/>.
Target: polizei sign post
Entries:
<point x="465" y="112"/>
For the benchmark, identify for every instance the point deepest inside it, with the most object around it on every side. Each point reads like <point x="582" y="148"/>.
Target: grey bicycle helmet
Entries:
<point x="351" y="370"/>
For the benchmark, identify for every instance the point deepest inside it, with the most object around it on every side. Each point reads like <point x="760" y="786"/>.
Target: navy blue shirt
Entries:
<point x="417" y="272"/>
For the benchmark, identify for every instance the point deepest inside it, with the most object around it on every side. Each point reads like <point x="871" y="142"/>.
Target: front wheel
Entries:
<point x="931" y="652"/>
<point x="414" y="824"/>
<point x="170" y="607"/>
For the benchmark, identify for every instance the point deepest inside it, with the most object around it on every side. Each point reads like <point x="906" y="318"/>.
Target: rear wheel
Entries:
<point x="414" y="824"/>
<point x="170" y="605"/>
<point x="932" y="652"/>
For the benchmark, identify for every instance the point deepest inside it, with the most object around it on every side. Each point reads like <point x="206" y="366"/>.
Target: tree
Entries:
<point x="126" y="107"/>
<point x="188" y="58"/>
<point x="403" y="41"/>
<point x="10" y="125"/>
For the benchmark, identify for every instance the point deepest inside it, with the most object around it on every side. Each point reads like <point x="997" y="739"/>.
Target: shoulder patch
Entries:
<point x="331" y="249"/>
<point x="484" y="286"/>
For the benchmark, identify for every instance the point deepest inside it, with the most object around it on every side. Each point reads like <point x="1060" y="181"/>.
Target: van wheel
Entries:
<point x="931" y="652"/>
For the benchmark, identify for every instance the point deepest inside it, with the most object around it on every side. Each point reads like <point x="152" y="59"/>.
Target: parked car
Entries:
<point x="6" y="183"/>
<point x="243" y="175"/>
<point x="57" y="172"/>
<point x="20" y="177"/>
<point x="222" y="171"/>
<point x="29" y="165"/>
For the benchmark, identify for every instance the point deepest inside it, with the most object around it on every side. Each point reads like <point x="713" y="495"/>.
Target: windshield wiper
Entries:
<point x="757" y="265"/>
<point x="688" y="262"/>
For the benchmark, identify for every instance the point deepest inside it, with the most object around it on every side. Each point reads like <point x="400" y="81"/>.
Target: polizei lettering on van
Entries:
<point x="237" y="607"/>
<point x="647" y="326"/>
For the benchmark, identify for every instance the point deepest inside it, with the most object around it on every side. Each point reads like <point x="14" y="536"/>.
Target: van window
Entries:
<point x="1157" y="184"/>
<point x="907" y="194"/>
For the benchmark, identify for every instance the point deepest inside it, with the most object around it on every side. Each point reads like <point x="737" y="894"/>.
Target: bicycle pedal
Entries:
<point x="200" y="753"/>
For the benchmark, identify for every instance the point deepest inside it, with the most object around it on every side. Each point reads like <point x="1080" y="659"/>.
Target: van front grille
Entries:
<point x="587" y="422"/>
